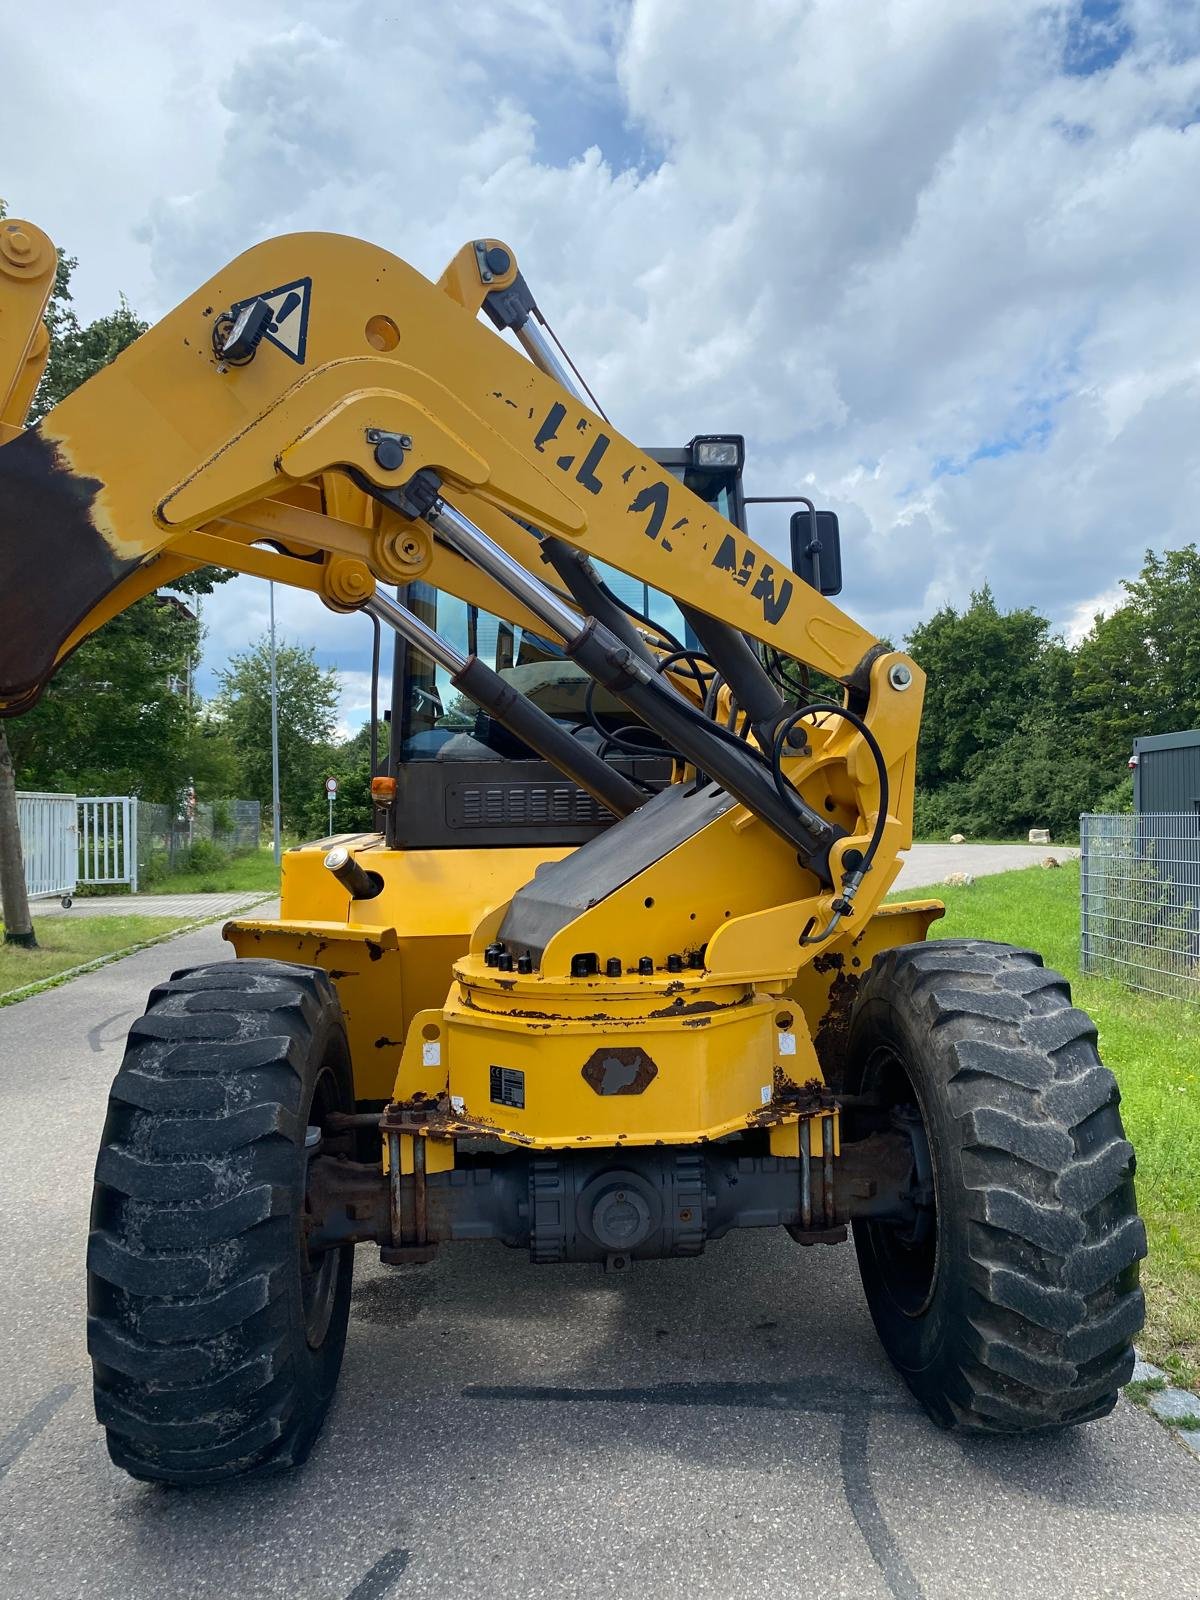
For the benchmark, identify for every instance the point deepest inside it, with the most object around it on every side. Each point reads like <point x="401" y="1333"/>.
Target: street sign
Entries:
<point x="330" y="785"/>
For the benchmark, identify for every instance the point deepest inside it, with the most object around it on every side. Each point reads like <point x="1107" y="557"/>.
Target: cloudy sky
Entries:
<point x="939" y="260"/>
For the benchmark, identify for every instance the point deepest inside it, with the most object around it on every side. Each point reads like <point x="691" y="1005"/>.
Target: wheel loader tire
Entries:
<point x="215" y="1344"/>
<point x="1011" y="1308"/>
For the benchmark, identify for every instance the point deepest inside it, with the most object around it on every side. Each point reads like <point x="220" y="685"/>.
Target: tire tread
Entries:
<point x="194" y="1225"/>
<point x="1053" y="1235"/>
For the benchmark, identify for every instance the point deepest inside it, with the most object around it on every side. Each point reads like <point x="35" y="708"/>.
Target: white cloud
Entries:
<point x="354" y="707"/>
<point x="1080" y="619"/>
<point x="939" y="280"/>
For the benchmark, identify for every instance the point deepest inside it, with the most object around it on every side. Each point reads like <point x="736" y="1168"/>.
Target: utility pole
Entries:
<point x="275" y="828"/>
<point x="18" y="925"/>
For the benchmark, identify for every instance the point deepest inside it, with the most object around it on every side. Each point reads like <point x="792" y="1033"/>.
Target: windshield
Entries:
<point x="440" y="724"/>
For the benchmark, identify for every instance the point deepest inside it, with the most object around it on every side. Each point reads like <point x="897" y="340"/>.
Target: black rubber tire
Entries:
<point x="1018" y="1313"/>
<point x="208" y="1362"/>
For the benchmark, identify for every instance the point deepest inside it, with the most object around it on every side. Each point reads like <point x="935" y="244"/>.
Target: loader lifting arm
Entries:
<point x="322" y="414"/>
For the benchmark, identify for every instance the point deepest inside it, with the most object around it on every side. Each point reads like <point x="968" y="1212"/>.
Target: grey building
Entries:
<point x="1166" y="772"/>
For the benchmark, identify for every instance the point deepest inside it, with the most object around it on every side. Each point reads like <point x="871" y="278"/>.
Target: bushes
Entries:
<point x="1118" y="799"/>
<point x="1021" y="730"/>
<point x="1033" y="779"/>
<point x="203" y="856"/>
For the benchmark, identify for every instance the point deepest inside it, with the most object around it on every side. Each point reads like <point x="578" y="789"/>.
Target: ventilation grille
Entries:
<point x="516" y="805"/>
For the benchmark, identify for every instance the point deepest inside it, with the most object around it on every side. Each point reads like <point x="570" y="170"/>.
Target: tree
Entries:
<point x="307" y="698"/>
<point x="1038" y="777"/>
<point x="76" y="351"/>
<point x="986" y="669"/>
<point x="1138" y="670"/>
<point x="116" y="718"/>
<point x="1020" y="730"/>
<point x="18" y="925"/>
<point x="350" y="763"/>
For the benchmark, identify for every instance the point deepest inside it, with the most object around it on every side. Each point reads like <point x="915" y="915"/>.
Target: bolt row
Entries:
<point x="586" y="963"/>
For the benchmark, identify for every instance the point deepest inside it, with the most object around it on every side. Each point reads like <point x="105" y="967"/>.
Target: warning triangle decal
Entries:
<point x="288" y="327"/>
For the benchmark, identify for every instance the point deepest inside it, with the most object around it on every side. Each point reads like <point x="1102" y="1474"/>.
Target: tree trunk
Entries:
<point x="18" y="926"/>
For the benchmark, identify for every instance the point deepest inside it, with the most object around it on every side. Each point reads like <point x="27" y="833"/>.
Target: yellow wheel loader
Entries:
<point x="614" y="974"/>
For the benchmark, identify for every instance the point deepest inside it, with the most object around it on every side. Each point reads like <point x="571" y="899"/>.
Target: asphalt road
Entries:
<point x="726" y="1427"/>
<point x="927" y="865"/>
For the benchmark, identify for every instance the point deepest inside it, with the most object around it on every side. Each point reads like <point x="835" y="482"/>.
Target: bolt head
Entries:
<point x="389" y="455"/>
<point x="24" y="250"/>
<point x="900" y="677"/>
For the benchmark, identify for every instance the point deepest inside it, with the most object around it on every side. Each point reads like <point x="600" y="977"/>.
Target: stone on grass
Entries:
<point x="1039" y="835"/>
<point x="960" y="880"/>
<point x="1145" y="1371"/>
<point x="958" y="838"/>
<point x="1171" y="1404"/>
<point x="1051" y="861"/>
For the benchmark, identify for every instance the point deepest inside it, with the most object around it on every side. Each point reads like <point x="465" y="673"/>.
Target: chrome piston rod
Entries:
<point x="461" y="534"/>
<point x="410" y="628"/>
<point x="513" y="710"/>
<point x="544" y="356"/>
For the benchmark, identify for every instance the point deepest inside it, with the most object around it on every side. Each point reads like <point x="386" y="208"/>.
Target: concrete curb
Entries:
<point x="1169" y="1404"/>
<point x="27" y="991"/>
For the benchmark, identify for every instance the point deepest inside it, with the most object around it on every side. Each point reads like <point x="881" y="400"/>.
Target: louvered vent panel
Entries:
<point x="515" y="805"/>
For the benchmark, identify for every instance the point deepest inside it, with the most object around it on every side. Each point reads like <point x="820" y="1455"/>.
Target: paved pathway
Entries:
<point x="717" y="1429"/>
<point x="930" y="864"/>
<point x="191" y="907"/>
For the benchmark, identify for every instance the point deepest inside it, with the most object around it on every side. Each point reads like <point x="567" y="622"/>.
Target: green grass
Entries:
<point x="66" y="941"/>
<point x="1141" y="1389"/>
<point x="255" y="870"/>
<point x="1153" y="1047"/>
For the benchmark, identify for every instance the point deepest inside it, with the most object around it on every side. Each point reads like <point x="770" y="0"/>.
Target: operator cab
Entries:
<point x="464" y="780"/>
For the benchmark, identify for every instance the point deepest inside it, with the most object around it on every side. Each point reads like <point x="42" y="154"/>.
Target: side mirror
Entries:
<point x="817" y="550"/>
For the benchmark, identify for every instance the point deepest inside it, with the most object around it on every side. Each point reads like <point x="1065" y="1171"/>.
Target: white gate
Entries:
<point x="47" y="824"/>
<point x="108" y="840"/>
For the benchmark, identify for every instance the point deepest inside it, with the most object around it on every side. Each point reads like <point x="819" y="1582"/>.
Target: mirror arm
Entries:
<point x="814" y="543"/>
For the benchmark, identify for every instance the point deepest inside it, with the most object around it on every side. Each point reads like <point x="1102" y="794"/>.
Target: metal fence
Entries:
<point x="166" y="834"/>
<point x="108" y="854"/>
<point x="1140" y="884"/>
<point x="47" y="825"/>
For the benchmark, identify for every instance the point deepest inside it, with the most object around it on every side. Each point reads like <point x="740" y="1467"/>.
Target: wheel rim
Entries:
<point x="908" y="1253"/>
<point x="319" y="1275"/>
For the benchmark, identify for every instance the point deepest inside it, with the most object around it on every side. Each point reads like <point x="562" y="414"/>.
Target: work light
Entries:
<point x="725" y="452"/>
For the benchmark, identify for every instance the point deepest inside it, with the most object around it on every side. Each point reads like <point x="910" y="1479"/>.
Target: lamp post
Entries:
<point x="275" y="831"/>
